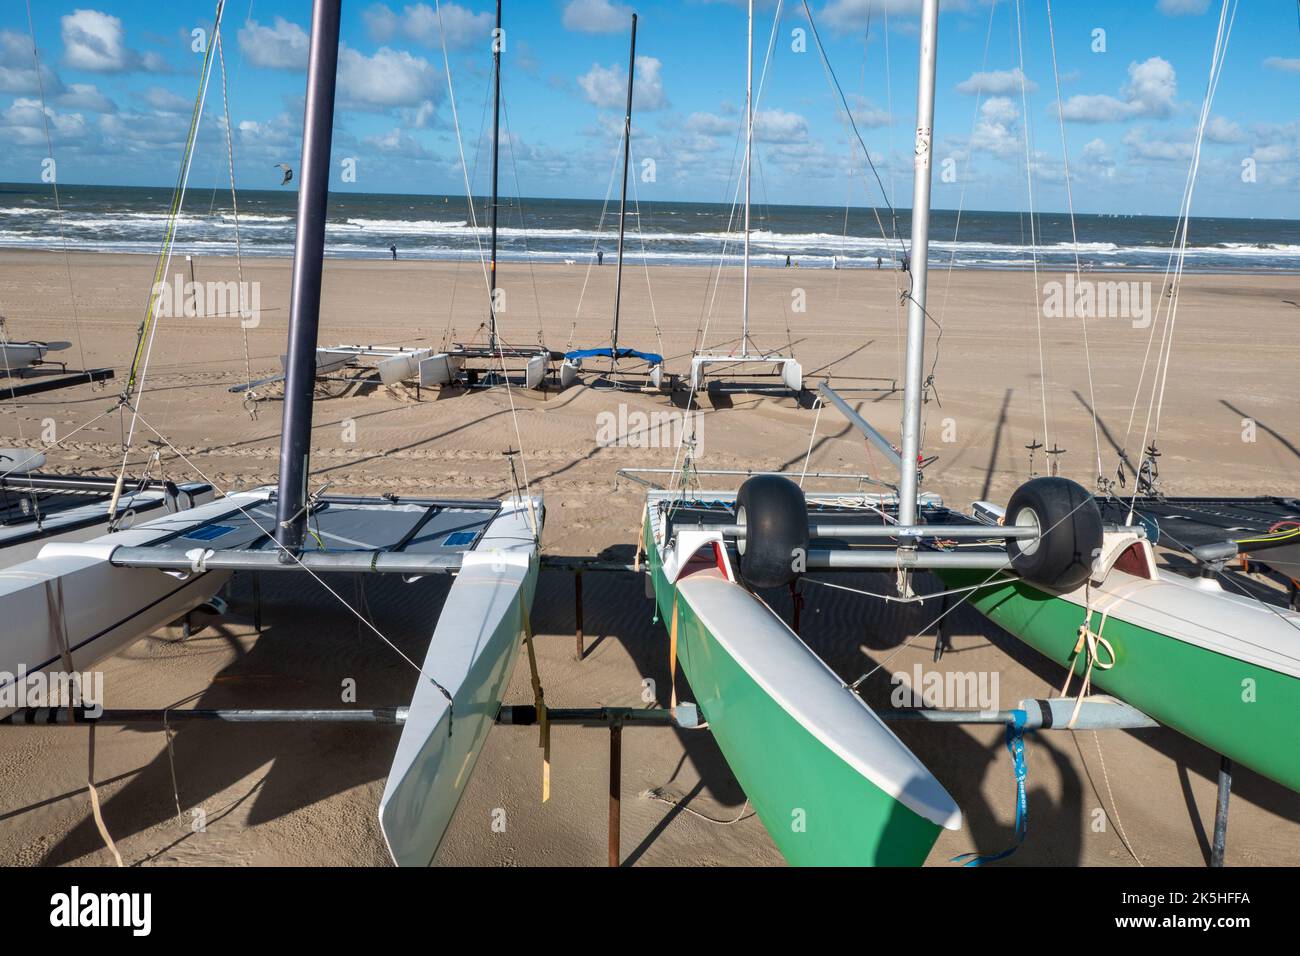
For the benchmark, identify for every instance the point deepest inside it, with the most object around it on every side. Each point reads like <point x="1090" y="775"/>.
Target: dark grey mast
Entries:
<point x="305" y="286"/>
<point x="622" y="206"/>
<point x="496" y="154"/>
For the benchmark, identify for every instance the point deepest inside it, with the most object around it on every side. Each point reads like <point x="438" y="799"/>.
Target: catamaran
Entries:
<point x="20" y="356"/>
<point x="1081" y="587"/>
<point x="649" y="364"/>
<point x="787" y="370"/>
<point x="78" y="602"/>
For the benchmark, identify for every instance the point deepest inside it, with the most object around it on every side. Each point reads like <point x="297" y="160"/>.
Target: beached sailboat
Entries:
<point x="79" y="602"/>
<point x="37" y="508"/>
<point x="1221" y="668"/>
<point x="19" y="356"/>
<point x="649" y="364"/>
<point x="489" y="363"/>
<point x="787" y="370"/>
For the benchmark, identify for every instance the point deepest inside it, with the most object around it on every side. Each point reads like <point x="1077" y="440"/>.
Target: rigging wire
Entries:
<point x="1033" y="225"/>
<point x="234" y="206"/>
<point x="645" y="265"/>
<point x="1164" y="308"/>
<point x="488" y="281"/>
<point x="1074" y="240"/>
<point x="149" y="324"/>
<point x="595" y="243"/>
<point x="848" y="113"/>
<point x="1216" y="71"/>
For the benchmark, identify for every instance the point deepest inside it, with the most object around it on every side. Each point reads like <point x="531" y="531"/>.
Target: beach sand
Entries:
<point x="307" y="795"/>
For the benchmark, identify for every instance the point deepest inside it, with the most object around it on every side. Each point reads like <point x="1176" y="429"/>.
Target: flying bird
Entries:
<point x="288" y="172"/>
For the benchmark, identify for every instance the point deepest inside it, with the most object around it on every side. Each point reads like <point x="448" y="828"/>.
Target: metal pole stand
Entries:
<point x="1221" y="813"/>
<point x="615" y="788"/>
<point x="577" y="615"/>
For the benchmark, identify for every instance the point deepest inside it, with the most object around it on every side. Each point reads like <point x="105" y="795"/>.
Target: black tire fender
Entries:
<point x="1070" y="537"/>
<point x="774" y="515"/>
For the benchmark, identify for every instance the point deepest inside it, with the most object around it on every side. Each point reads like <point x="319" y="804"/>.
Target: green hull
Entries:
<point x="1238" y="709"/>
<point x="818" y="809"/>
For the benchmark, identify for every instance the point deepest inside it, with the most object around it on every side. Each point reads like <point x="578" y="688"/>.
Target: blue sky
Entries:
<point x="120" y="79"/>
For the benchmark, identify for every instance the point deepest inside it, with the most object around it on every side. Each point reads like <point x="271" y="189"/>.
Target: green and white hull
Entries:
<point x="830" y="782"/>
<point x="1220" y="668"/>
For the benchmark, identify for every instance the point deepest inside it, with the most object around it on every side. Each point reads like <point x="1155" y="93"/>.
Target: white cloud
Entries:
<point x="996" y="83"/>
<point x="779" y="126"/>
<point x="1222" y="130"/>
<point x="397" y="143"/>
<point x="419" y="22"/>
<point x="381" y="22"/>
<point x="710" y="124"/>
<point x="998" y="128"/>
<point x="421" y="116"/>
<point x="165" y="100"/>
<point x="606" y="86"/>
<point x="17" y="69"/>
<point x="279" y="47"/>
<point x="387" y="79"/>
<point x="1182" y="8"/>
<point x="596" y="16"/>
<point x="1147" y="145"/>
<point x="1150" y="91"/>
<point x="95" y="41"/>
<point x="1096" y="156"/>
<point x="23" y="125"/>
<point x="1285" y="64"/>
<point x="866" y="113"/>
<point x="86" y="96"/>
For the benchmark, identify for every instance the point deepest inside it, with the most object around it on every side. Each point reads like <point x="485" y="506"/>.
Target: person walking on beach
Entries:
<point x="600" y="257"/>
<point x="393" y="250"/>
<point x="787" y="260"/>
<point x="879" y="262"/>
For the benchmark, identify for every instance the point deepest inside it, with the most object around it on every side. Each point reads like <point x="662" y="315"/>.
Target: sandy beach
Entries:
<point x="272" y="795"/>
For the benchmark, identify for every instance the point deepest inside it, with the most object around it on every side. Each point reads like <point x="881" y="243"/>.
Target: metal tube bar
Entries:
<point x="862" y="425"/>
<point x="525" y="715"/>
<point x="628" y="472"/>
<point x="622" y="205"/>
<point x="60" y="716"/>
<point x="824" y="558"/>
<point x="909" y="480"/>
<point x="305" y="284"/>
<point x="887" y="531"/>
<point x="233" y="560"/>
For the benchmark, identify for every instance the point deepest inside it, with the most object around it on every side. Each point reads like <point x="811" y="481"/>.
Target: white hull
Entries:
<point x="471" y="654"/>
<point x="16" y="356"/>
<point x="16" y="548"/>
<point x="535" y="374"/>
<point x="400" y="368"/>
<point x="104" y="608"/>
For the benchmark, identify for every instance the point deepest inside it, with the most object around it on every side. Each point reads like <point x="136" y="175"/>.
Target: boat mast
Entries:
<point x="305" y="284"/>
<point x="749" y="149"/>
<point x="909" y="478"/>
<point x="622" y="206"/>
<point x="496" y="154"/>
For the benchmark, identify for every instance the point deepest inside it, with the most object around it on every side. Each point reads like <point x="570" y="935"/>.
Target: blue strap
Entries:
<point x="1016" y="747"/>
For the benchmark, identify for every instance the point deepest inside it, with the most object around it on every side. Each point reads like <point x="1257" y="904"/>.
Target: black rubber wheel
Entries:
<point x="1070" y="540"/>
<point x="774" y="514"/>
